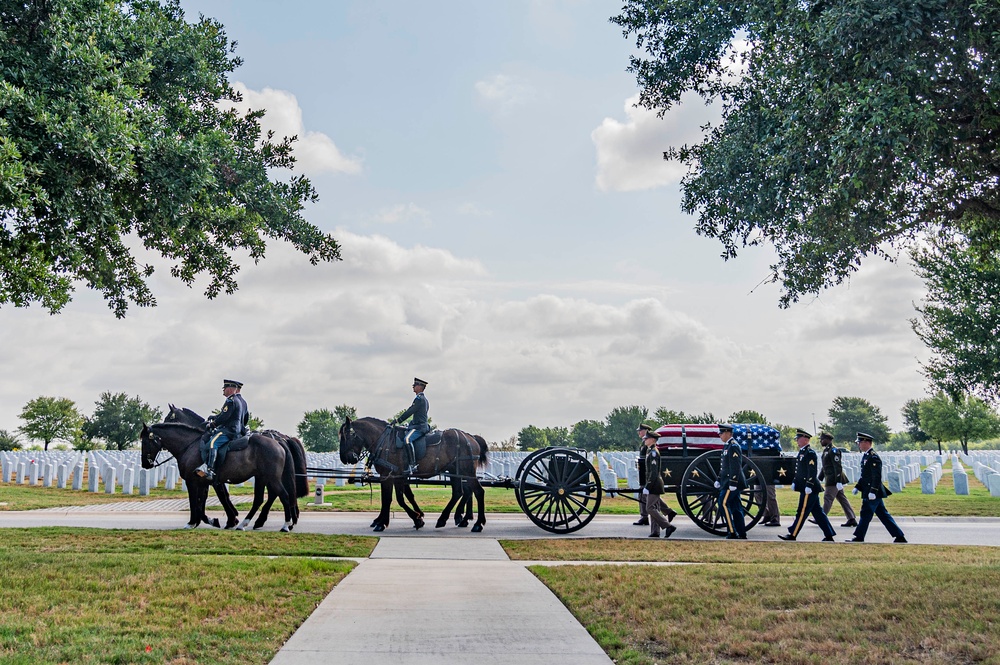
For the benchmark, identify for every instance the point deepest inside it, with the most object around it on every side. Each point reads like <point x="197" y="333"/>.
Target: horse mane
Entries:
<point x="177" y="426"/>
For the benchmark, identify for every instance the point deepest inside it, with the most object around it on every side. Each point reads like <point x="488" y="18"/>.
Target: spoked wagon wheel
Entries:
<point x="558" y="489"/>
<point x="700" y="499"/>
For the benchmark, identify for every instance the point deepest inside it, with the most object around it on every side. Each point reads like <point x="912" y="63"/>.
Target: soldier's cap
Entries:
<point x="230" y="383"/>
<point x="419" y="382"/>
<point x="645" y="426"/>
<point x="865" y="437"/>
<point x="825" y="436"/>
<point x="725" y="427"/>
<point x="650" y="435"/>
<point x="802" y="432"/>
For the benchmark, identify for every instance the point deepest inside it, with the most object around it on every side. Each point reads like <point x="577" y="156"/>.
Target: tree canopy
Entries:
<point x="849" y="127"/>
<point x="118" y="137"/>
<point x="850" y="415"/>
<point x="118" y="419"/>
<point x="320" y="429"/>
<point x="962" y="420"/>
<point x="49" y="419"/>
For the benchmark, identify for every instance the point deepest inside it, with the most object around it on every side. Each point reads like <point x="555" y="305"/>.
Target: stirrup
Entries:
<point x="203" y="471"/>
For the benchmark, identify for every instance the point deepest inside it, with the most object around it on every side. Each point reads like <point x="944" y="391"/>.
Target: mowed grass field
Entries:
<point x="749" y="602"/>
<point x="102" y="596"/>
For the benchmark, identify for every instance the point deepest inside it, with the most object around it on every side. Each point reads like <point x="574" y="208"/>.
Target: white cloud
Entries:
<point x="503" y="92"/>
<point x="402" y="212"/>
<point x="315" y="151"/>
<point x="630" y="153"/>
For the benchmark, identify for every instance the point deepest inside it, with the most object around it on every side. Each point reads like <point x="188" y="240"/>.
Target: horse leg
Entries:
<point x="456" y="484"/>
<point x="278" y="488"/>
<point x="232" y="515"/>
<point x="408" y="494"/>
<point x="481" y="500"/>
<point x="382" y="521"/>
<point x="265" y="511"/>
<point x="258" y="498"/>
<point x="197" y="507"/>
<point x="400" y="485"/>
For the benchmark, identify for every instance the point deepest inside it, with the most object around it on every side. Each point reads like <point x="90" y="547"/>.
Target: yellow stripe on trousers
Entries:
<point x="725" y="510"/>
<point x="214" y="439"/>
<point x="801" y="517"/>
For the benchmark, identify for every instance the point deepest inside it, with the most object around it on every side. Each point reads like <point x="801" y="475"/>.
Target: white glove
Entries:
<point x="809" y="490"/>
<point x="871" y="497"/>
<point x="732" y="488"/>
<point x="717" y="485"/>
<point x="855" y="490"/>
<point x="793" y="487"/>
<point x="840" y="486"/>
<point x="645" y="490"/>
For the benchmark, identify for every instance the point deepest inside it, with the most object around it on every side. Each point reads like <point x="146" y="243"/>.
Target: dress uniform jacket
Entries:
<point x="418" y="410"/>
<point x="833" y="468"/>
<point x="731" y="466"/>
<point x="233" y="417"/>
<point x="805" y="470"/>
<point x="654" y="471"/>
<point x="871" y="476"/>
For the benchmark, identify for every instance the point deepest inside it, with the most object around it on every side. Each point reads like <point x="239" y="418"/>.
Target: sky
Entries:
<point x="509" y="231"/>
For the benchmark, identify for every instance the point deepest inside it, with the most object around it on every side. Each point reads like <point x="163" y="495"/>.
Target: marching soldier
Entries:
<point x="872" y="492"/>
<point x="641" y="463"/>
<point x="807" y="485"/>
<point x="418" y="424"/>
<point x="654" y="488"/>
<point x="730" y="483"/>
<point x="834" y="478"/>
<point x="230" y="423"/>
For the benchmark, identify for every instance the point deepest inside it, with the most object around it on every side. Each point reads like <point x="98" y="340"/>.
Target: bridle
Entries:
<point x="155" y="440"/>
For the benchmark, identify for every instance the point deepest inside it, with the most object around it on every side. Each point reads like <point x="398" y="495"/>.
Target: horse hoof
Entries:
<point x="440" y="523"/>
<point x="418" y="524"/>
<point x="241" y="528"/>
<point x="191" y="526"/>
<point x="373" y="524"/>
<point x="258" y="527"/>
<point x="379" y="528"/>
<point x="477" y="528"/>
<point x="463" y="524"/>
<point x="216" y="523"/>
<point x="285" y="529"/>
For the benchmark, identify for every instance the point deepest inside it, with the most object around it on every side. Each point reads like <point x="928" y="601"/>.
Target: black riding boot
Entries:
<point x="212" y="453"/>
<point x="411" y="456"/>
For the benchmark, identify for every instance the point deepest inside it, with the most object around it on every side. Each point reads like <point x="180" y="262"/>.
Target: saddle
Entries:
<point x="420" y="446"/>
<point x="233" y="445"/>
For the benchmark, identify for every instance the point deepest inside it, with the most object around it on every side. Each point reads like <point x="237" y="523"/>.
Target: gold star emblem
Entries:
<point x="695" y="474"/>
<point x="812" y="462"/>
<point x="752" y="473"/>
<point x="781" y="473"/>
<point x="667" y="473"/>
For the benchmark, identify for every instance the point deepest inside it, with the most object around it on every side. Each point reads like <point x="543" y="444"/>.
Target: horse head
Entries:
<point x="151" y="446"/>
<point x="352" y="444"/>
<point x="184" y="415"/>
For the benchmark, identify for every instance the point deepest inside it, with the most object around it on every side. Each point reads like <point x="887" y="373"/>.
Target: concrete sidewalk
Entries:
<point x="419" y="601"/>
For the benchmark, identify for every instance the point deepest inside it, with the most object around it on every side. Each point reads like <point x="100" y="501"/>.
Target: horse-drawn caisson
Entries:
<point x="558" y="488"/>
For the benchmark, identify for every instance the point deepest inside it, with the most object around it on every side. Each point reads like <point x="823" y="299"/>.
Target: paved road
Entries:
<point x="919" y="530"/>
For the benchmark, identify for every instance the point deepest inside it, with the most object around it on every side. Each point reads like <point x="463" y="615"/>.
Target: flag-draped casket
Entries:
<point x="706" y="437"/>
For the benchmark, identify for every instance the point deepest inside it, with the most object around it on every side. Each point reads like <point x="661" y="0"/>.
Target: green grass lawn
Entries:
<point x="99" y="596"/>
<point x="772" y="603"/>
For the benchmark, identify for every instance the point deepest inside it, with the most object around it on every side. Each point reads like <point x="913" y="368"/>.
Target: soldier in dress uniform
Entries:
<point x="641" y="463"/>
<point x="834" y="478"/>
<point x="872" y="492"/>
<point x="229" y="424"/>
<point x="654" y="488"/>
<point x="731" y="482"/>
<point x="807" y="485"/>
<point x="418" y="424"/>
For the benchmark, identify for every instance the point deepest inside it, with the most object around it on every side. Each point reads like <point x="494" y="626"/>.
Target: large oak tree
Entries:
<point x="118" y="136"/>
<point x="849" y="127"/>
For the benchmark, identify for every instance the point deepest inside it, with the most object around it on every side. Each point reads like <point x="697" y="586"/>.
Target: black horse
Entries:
<point x="459" y="454"/>
<point x="293" y="447"/>
<point x="264" y="459"/>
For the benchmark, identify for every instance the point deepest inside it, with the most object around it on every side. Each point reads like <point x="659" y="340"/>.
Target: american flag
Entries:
<point x="706" y="437"/>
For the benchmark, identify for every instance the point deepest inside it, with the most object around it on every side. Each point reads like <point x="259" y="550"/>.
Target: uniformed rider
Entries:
<point x="418" y="422"/>
<point x="229" y="424"/>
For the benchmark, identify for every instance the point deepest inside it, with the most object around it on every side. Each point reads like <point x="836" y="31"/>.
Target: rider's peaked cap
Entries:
<point x="802" y="432"/>
<point x="230" y="383"/>
<point x="724" y="427"/>
<point x="419" y="382"/>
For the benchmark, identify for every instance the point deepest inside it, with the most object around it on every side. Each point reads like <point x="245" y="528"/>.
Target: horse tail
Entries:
<point x="299" y="460"/>
<point x="483" y="451"/>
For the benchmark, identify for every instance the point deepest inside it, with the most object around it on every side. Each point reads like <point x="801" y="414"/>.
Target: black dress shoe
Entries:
<point x="772" y="523"/>
<point x="653" y="535"/>
<point x="828" y="539"/>
<point x="669" y="530"/>
<point x="901" y="539"/>
<point x="732" y="537"/>
<point x="784" y="537"/>
<point x="855" y="540"/>
<point x="642" y="522"/>
<point x="671" y="515"/>
<point x="743" y="537"/>
<point x="850" y="523"/>
<point x="811" y="520"/>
